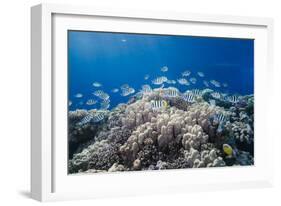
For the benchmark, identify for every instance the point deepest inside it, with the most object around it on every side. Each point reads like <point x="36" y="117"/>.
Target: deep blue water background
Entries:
<point x="108" y="59"/>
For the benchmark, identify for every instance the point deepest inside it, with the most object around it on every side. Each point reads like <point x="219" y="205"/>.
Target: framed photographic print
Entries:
<point x="133" y="102"/>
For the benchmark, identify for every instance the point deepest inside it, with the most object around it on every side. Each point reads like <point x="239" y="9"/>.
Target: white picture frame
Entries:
<point x="49" y="179"/>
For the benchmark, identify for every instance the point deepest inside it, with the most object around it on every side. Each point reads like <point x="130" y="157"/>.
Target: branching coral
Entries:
<point x="182" y="135"/>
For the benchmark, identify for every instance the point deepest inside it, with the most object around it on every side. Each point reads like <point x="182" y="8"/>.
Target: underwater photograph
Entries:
<point x="143" y="102"/>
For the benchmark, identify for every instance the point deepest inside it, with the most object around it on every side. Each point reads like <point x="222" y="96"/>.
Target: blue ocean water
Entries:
<point x="115" y="59"/>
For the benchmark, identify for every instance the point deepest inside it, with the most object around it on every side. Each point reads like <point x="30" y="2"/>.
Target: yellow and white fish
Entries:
<point x="158" y="104"/>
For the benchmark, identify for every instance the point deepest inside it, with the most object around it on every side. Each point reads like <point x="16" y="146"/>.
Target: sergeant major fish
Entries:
<point x="186" y="73"/>
<point x="164" y="69"/>
<point x="158" y="104"/>
<point x="159" y="80"/>
<point x="201" y="74"/>
<point x="193" y="80"/>
<point x="91" y="102"/>
<point x="188" y="97"/>
<point x="171" y="92"/>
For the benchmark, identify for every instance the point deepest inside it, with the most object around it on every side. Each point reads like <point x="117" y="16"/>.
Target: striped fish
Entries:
<point x="104" y="105"/>
<point x="206" y="83"/>
<point x="158" y="104"/>
<point x="233" y="99"/>
<point x="91" y="102"/>
<point x="164" y="69"/>
<point x="88" y="118"/>
<point x="98" y="117"/>
<point x="146" y="89"/>
<point x="201" y="74"/>
<point x="216" y="95"/>
<point x="221" y="117"/>
<point x="159" y="80"/>
<point x="193" y="80"/>
<point x="183" y="81"/>
<point x="215" y="83"/>
<point x="127" y="91"/>
<point x="101" y="94"/>
<point x="188" y="97"/>
<point x="171" y="92"/>
<point x="186" y="73"/>
<point x="197" y="92"/>
<point x="171" y="81"/>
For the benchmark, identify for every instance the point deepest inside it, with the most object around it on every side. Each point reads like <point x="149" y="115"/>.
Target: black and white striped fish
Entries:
<point x="88" y="118"/>
<point x="101" y="94"/>
<point x="146" y="89"/>
<point x="127" y="91"/>
<point x="91" y="102"/>
<point x="220" y="117"/>
<point x="98" y="117"/>
<point x="188" y="97"/>
<point x="159" y="80"/>
<point x="158" y="104"/>
<point x="186" y="73"/>
<point x="197" y="92"/>
<point x="164" y="69"/>
<point x="233" y="99"/>
<point x="104" y="105"/>
<point x="171" y="92"/>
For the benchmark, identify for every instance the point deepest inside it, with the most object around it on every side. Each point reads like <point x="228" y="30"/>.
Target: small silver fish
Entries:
<point x="69" y="103"/>
<point x="201" y="74"/>
<point x="171" y="81"/>
<point x="146" y="77"/>
<point x="215" y="83"/>
<point x="193" y="80"/>
<point x="206" y="83"/>
<point x="91" y="102"/>
<point x="78" y="95"/>
<point x="164" y="69"/>
<point x="115" y="90"/>
<point x="123" y="40"/>
<point x="225" y="85"/>
<point x="186" y="73"/>
<point x="125" y="86"/>
<point x="97" y="84"/>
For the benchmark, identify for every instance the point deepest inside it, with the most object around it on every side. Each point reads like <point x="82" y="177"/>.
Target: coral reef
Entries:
<point x="134" y="136"/>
